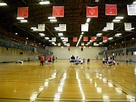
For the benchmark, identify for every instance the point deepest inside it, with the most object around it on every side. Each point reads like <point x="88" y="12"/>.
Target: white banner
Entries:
<point x="110" y="26"/>
<point x="62" y="27"/>
<point x="53" y="39"/>
<point x="128" y="26"/>
<point x="84" y="27"/>
<point x="65" y="39"/>
<point x="41" y="27"/>
<point x="131" y="9"/>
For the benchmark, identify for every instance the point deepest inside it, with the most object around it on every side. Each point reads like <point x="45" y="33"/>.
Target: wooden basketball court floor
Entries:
<point x="63" y="82"/>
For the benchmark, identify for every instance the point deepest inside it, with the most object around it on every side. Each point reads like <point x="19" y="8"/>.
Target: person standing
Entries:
<point x="42" y="59"/>
<point x="88" y="61"/>
<point x="50" y="59"/>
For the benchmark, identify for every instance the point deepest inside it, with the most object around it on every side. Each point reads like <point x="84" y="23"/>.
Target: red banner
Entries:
<point x="58" y="11"/>
<point x="75" y="39"/>
<point x="92" y="11"/>
<point x="105" y="38"/>
<point x="22" y="12"/>
<point x="93" y="38"/>
<point x="85" y="39"/>
<point x="111" y="9"/>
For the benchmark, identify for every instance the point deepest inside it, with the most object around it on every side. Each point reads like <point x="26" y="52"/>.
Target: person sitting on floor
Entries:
<point x="72" y="59"/>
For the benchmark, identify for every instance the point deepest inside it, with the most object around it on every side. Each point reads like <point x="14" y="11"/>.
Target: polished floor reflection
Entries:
<point x="63" y="82"/>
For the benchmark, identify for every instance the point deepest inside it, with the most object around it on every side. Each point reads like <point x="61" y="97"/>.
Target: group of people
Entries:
<point x="43" y="59"/>
<point x="109" y="60"/>
<point x="77" y="60"/>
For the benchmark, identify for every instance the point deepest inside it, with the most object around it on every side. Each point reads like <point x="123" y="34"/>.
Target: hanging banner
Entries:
<point x="65" y="39"/>
<point x="41" y="27"/>
<point x="131" y="10"/>
<point x="110" y="26"/>
<point x="111" y="9"/>
<point x="22" y="12"/>
<point x="85" y="39"/>
<point x="93" y="38"/>
<point x="84" y="27"/>
<point x="62" y="27"/>
<point x="128" y="26"/>
<point x="105" y="38"/>
<point x="53" y="39"/>
<point x="75" y="39"/>
<point x="58" y="11"/>
<point x="91" y="11"/>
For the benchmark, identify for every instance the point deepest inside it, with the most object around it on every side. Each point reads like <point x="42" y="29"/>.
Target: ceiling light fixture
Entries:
<point x="118" y="34"/>
<point x="2" y="3"/>
<point x="53" y="20"/>
<point x="96" y="0"/>
<point x="119" y="17"/>
<point x="42" y="34"/>
<point x="23" y="21"/>
<point x="47" y="38"/>
<point x="88" y="20"/>
<point x="134" y="2"/>
<point x="51" y="17"/>
<point x="19" y="18"/>
<point x="33" y="28"/>
<point x="116" y="20"/>
<point x="43" y="2"/>
<point x="60" y="34"/>
<point x="99" y="34"/>
<point x="105" y="29"/>
<point x="100" y="43"/>
<point x="79" y="39"/>
<point x="110" y="38"/>
<point x="56" y="28"/>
